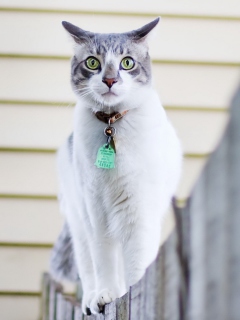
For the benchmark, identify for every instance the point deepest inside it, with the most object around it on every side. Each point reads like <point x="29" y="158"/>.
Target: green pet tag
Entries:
<point x="105" y="157"/>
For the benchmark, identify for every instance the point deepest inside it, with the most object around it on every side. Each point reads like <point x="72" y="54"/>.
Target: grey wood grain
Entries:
<point x="60" y="307"/>
<point x="233" y="277"/>
<point x="171" y="279"/>
<point x="92" y="317"/>
<point x="216" y="232"/>
<point x="99" y="316"/>
<point x="154" y="289"/>
<point x="197" y="267"/>
<point x="77" y="312"/>
<point x="162" y="284"/>
<point x="110" y="311"/>
<point x="122" y="307"/>
<point x="183" y="249"/>
<point x="45" y="296"/>
<point x="54" y="288"/>
<point x="69" y="307"/>
<point x="137" y="300"/>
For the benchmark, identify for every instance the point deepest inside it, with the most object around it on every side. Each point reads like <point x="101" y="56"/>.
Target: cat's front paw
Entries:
<point x="100" y="299"/>
<point x="86" y="301"/>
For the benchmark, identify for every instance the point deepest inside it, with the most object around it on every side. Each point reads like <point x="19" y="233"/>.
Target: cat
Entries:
<point x="118" y="170"/>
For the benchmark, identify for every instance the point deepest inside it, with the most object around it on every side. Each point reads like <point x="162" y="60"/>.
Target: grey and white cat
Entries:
<point x="114" y="216"/>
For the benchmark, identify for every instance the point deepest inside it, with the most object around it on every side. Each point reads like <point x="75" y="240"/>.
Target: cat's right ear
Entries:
<point x="143" y="33"/>
<point x="79" y="35"/>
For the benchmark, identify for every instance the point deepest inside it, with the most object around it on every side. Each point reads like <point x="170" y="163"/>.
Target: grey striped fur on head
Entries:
<point x="119" y="45"/>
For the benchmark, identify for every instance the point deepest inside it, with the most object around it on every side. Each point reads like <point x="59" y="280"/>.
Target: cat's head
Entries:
<point x="109" y="69"/>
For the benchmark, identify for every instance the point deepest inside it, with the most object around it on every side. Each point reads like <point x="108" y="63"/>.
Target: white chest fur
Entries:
<point x="115" y="215"/>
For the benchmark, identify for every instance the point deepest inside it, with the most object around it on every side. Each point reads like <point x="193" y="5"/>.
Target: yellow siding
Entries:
<point x="48" y="126"/>
<point x="35" y="174"/>
<point x="205" y="7"/>
<point x="48" y="80"/>
<point x="33" y="221"/>
<point x="196" y="53"/>
<point x="176" y="38"/>
<point x="18" y="307"/>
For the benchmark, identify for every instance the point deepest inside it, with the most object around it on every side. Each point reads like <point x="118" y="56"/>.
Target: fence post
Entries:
<point x="196" y="275"/>
<point x="122" y="305"/>
<point x="45" y="297"/>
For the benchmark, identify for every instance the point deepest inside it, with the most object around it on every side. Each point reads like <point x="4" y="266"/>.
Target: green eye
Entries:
<point x="127" y="63"/>
<point x="92" y="63"/>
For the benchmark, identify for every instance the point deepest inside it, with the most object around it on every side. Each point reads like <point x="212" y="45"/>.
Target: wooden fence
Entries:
<point x="196" y="275"/>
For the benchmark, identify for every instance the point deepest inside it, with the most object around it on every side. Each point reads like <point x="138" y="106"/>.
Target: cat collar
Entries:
<point x="106" y="153"/>
<point x="110" y="118"/>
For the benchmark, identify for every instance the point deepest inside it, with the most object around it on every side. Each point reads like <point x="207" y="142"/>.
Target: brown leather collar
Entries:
<point x="104" y="117"/>
<point x="110" y="118"/>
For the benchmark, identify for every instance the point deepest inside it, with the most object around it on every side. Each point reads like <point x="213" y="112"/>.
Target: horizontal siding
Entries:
<point x="205" y="7"/>
<point x="176" y="39"/>
<point x="196" y="66"/>
<point x="48" y="126"/>
<point x="36" y="223"/>
<point x="23" y="173"/>
<point x="21" y="269"/>
<point x="20" y="307"/>
<point x="178" y="85"/>
<point x="29" y="221"/>
<point x="205" y="128"/>
<point x="35" y="174"/>
<point x="188" y="85"/>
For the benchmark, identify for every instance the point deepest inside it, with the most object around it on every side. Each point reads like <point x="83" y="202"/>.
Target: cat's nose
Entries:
<point x="109" y="81"/>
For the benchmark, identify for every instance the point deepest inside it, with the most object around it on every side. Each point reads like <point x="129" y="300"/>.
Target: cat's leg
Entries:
<point x="105" y="261"/>
<point x="72" y="206"/>
<point x="140" y="251"/>
<point x="84" y="265"/>
<point x="82" y="253"/>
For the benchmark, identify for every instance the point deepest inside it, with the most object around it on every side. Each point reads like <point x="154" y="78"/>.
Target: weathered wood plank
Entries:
<point x="122" y="306"/>
<point x="233" y="214"/>
<point x="54" y="288"/>
<point x="153" y="287"/>
<point x="197" y="209"/>
<point x="182" y="229"/>
<point x="69" y="308"/>
<point x="162" y="282"/>
<point x="137" y="300"/>
<point x="99" y="316"/>
<point x="214" y="231"/>
<point x="77" y="312"/>
<point x="215" y="242"/>
<point x="110" y="311"/>
<point x="45" y="296"/>
<point x="171" y="279"/>
<point x="61" y="306"/>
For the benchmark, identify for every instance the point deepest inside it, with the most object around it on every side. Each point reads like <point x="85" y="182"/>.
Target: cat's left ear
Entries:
<point x="143" y="33"/>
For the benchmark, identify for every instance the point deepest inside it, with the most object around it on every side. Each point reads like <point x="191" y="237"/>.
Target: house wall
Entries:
<point x="196" y="59"/>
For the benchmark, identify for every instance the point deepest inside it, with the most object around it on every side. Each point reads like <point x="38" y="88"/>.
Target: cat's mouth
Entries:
<point x="109" y="94"/>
